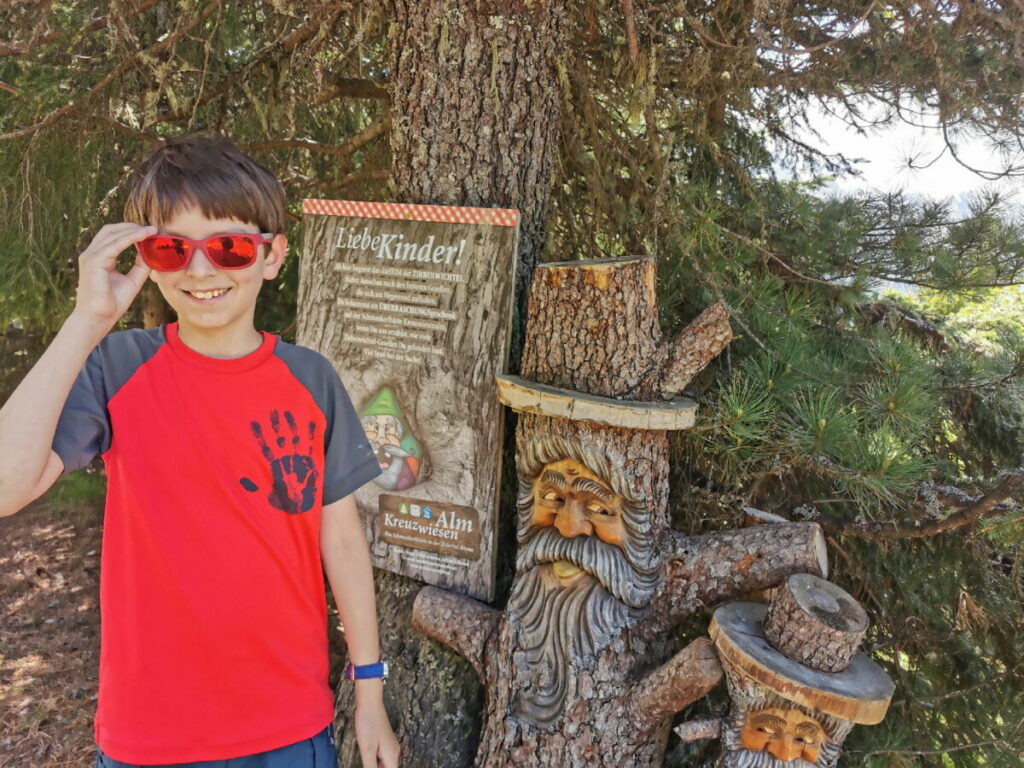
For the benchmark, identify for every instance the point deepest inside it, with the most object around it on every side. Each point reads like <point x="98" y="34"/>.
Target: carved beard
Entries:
<point x="735" y="756"/>
<point x="558" y="625"/>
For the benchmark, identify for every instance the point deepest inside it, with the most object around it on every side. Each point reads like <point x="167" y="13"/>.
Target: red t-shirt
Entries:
<point x="214" y="620"/>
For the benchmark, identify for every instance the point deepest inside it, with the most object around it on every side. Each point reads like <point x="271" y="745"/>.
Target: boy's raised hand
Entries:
<point x="104" y="294"/>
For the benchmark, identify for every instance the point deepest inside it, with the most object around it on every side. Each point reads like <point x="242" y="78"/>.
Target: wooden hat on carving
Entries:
<point x="594" y="352"/>
<point x="804" y="648"/>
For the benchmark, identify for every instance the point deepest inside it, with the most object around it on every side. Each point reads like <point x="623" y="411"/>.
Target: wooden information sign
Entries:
<point x="412" y="304"/>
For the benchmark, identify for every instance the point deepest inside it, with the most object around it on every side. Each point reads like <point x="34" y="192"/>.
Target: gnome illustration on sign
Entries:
<point x="398" y="451"/>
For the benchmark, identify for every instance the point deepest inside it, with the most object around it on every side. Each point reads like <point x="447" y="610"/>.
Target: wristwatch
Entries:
<point x="365" y="671"/>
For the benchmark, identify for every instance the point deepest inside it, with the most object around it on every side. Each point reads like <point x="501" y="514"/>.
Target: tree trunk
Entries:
<point x="154" y="309"/>
<point x="476" y="111"/>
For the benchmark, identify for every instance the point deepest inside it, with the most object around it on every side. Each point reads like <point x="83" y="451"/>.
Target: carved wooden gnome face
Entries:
<point x="585" y="568"/>
<point x="784" y="732"/>
<point x="767" y="731"/>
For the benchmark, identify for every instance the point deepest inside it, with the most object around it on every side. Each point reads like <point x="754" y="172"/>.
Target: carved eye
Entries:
<point x="600" y="510"/>
<point x="551" y="496"/>
<point x="766" y="729"/>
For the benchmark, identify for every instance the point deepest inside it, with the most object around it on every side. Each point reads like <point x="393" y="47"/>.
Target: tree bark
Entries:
<point x="476" y="110"/>
<point x="815" y="623"/>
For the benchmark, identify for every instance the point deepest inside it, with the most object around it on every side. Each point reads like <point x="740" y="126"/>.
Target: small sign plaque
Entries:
<point x="446" y="529"/>
<point x="412" y="304"/>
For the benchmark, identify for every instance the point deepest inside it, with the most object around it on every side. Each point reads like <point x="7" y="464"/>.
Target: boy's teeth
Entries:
<point x="208" y="294"/>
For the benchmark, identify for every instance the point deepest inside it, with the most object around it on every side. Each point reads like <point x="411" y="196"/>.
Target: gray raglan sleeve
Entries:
<point x="349" y="461"/>
<point x="83" y="429"/>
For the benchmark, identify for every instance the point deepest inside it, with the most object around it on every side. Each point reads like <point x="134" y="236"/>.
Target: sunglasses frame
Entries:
<point x="256" y="239"/>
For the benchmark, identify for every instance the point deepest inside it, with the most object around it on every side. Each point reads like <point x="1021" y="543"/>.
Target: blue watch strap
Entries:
<point x="366" y="671"/>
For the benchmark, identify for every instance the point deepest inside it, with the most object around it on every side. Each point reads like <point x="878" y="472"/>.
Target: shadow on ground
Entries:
<point x="49" y="634"/>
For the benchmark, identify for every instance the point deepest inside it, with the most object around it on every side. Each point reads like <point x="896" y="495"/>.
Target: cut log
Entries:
<point x="593" y="325"/>
<point x="695" y="730"/>
<point x="816" y="623"/>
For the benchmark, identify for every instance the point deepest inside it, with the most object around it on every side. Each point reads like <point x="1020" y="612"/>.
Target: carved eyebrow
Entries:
<point x="553" y="477"/>
<point x="586" y="484"/>
<point x="772" y="721"/>
<point x="809" y="728"/>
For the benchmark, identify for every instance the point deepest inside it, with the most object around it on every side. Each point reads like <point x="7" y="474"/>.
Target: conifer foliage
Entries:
<point x="896" y="420"/>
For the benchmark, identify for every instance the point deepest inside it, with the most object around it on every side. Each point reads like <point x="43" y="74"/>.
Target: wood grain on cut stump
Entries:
<point x="816" y="623"/>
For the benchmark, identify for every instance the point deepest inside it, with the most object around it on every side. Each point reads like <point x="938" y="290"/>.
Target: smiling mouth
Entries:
<point x="216" y="293"/>
<point x="563" y="569"/>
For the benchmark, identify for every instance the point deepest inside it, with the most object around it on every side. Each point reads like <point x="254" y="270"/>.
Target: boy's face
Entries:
<point x="208" y="299"/>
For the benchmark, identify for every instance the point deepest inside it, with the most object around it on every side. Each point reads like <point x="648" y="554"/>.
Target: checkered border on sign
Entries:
<point x="501" y="217"/>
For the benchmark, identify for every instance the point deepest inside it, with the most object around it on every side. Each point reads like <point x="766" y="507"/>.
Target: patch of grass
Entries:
<point x="86" y="485"/>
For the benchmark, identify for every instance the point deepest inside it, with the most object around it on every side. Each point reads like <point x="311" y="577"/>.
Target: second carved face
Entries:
<point x="787" y="734"/>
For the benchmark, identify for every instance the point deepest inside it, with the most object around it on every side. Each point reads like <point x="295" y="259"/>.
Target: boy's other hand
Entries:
<point x="104" y="294"/>
<point x="378" y="746"/>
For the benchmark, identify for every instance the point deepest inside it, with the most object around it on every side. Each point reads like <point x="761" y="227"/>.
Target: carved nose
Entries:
<point x="784" y="748"/>
<point x="572" y="520"/>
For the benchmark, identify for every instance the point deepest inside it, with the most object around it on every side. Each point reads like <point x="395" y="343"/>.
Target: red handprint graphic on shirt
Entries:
<point x="293" y="474"/>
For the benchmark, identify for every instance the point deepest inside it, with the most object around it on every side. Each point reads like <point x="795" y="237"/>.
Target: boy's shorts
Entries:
<point x="317" y="752"/>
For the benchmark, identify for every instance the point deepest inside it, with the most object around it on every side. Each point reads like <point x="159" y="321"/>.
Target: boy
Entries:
<point x="231" y="460"/>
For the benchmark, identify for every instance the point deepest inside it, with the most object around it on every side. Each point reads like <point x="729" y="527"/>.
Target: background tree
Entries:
<point x="669" y="128"/>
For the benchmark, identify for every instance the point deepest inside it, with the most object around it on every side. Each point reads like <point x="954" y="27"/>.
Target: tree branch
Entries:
<point x="981" y="506"/>
<point x="689" y="352"/>
<point x="461" y="623"/>
<point x="19" y="47"/>
<point x="707" y="570"/>
<point x="680" y="681"/>
<point x="273" y="51"/>
<point x="352" y="87"/>
<point x="915" y="326"/>
<point x="107" y="79"/>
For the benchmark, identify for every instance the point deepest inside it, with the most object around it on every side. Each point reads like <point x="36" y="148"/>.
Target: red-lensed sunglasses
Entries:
<point x="169" y="253"/>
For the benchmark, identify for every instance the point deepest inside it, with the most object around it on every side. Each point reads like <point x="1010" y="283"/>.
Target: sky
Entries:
<point x="885" y="153"/>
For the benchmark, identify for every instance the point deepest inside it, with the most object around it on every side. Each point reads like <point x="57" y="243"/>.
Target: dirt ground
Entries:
<point x="49" y="634"/>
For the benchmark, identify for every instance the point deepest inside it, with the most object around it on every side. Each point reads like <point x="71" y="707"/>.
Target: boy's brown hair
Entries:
<point x="208" y="172"/>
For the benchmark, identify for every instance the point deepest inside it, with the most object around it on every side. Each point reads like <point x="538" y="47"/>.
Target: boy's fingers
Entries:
<point x="111" y="233"/>
<point x="137" y="275"/>
<point x="107" y="252"/>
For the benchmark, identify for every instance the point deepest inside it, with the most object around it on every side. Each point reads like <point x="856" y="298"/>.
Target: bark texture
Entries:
<point x="476" y="110"/>
<point x="593" y="326"/>
<point x="815" y="623"/>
